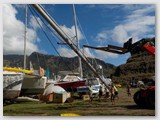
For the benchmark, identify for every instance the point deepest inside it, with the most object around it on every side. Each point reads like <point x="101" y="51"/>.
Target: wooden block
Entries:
<point x="86" y="97"/>
<point x="58" y="98"/>
<point x="50" y="97"/>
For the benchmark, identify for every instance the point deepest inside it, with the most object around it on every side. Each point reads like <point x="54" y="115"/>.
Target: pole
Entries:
<point x="25" y="36"/>
<point x="76" y="32"/>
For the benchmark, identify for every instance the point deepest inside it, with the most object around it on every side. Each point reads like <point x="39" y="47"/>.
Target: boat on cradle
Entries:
<point x="70" y="82"/>
<point x="33" y="85"/>
<point x="12" y="84"/>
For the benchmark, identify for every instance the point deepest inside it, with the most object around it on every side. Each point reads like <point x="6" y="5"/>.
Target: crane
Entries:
<point x="143" y="97"/>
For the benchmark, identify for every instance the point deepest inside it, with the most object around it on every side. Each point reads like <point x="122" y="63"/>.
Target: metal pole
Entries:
<point x="25" y="36"/>
<point x="76" y="32"/>
<point x="56" y="27"/>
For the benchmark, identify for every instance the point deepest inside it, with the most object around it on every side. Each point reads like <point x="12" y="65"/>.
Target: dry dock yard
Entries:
<point x="124" y="106"/>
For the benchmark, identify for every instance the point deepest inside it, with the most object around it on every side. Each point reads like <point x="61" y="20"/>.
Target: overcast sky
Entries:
<point x="98" y="25"/>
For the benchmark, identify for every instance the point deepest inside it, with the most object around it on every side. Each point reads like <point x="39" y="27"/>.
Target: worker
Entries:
<point x="116" y="92"/>
<point x="128" y="90"/>
<point x="112" y="94"/>
<point x="100" y="92"/>
<point x="107" y="93"/>
<point x="90" y="93"/>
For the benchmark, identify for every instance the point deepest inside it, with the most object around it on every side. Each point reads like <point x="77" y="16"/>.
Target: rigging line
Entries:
<point x="82" y="31"/>
<point x="67" y="36"/>
<point x="37" y="58"/>
<point x="53" y="33"/>
<point x="51" y="30"/>
<point x="43" y="56"/>
<point x="61" y="29"/>
<point x="49" y="39"/>
<point x="56" y="36"/>
<point x="58" y="25"/>
<point x="51" y="42"/>
<point x="86" y="40"/>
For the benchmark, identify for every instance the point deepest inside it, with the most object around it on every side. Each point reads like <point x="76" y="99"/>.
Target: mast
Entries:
<point x="76" y="32"/>
<point x="25" y="36"/>
<point x="56" y="27"/>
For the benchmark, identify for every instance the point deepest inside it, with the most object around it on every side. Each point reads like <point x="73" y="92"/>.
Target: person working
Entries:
<point x="116" y="92"/>
<point x="112" y="94"/>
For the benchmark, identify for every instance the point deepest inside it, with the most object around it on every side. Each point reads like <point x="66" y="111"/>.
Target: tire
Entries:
<point x="138" y="99"/>
<point x="150" y="99"/>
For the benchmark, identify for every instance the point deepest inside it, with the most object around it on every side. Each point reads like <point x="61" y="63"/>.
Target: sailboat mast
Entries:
<point x="56" y="27"/>
<point x="25" y="36"/>
<point x="76" y="32"/>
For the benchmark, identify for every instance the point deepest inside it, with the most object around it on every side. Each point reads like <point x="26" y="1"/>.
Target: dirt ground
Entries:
<point x="124" y="106"/>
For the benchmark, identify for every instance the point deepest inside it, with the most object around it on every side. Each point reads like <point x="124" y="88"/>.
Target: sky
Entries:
<point x="98" y="25"/>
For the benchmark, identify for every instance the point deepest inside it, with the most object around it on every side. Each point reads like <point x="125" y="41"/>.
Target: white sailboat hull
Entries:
<point x="12" y="83"/>
<point x="33" y="85"/>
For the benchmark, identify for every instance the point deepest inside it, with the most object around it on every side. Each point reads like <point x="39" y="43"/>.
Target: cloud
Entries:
<point x="119" y="34"/>
<point x="14" y="29"/>
<point x="70" y="32"/>
<point x="13" y="33"/>
<point x="66" y="52"/>
<point x="101" y="37"/>
<point x="20" y="5"/>
<point x="111" y="6"/>
<point x="104" y="6"/>
<point x="33" y="22"/>
<point x="104" y="55"/>
<point x="139" y="9"/>
<point x="88" y="53"/>
<point x="138" y="23"/>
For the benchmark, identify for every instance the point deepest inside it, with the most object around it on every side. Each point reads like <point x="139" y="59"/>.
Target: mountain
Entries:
<point x="57" y="63"/>
<point x="139" y="66"/>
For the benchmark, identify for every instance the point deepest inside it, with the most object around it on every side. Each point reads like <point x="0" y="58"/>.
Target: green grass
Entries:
<point x="125" y="106"/>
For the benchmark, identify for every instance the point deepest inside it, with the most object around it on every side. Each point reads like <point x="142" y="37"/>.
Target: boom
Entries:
<point x="128" y="47"/>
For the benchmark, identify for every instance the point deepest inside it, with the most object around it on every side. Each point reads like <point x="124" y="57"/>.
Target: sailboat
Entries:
<point x="32" y="84"/>
<point x="72" y="81"/>
<point x="12" y="83"/>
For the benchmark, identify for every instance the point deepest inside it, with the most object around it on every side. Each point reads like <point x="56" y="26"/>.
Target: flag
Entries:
<point x="41" y="71"/>
<point x="31" y="66"/>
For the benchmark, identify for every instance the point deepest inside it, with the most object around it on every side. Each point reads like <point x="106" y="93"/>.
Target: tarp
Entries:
<point x="53" y="89"/>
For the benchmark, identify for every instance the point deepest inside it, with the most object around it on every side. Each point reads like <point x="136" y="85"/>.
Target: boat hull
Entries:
<point x="33" y="85"/>
<point x="10" y="94"/>
<point x="12" y="84"/>
<point x="71" y="86"/>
